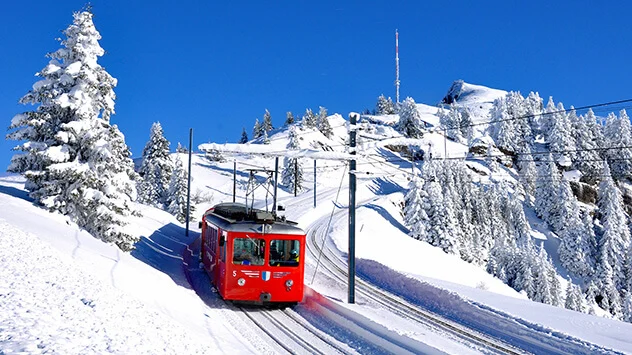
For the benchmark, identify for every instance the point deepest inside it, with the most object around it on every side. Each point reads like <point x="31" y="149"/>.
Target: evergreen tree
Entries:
<point x="542" y="282"/>
<point x="74" y="160"/>
<point x="267" y="122"/>
<point x="257" y="130"/>
<point x="309" y="119"/>
<point x="587" y="158"/>
<point x="619" y="135"/>
<point x="441" y="224"/>
<point x="414" y="214"/>
<point x="627" y="307"/>
<point x="323" y="123"/>
<point x="533" y="107"/>
<point x="510" y="133"/>
<point x="244" y="136"/>
<point x="574" y="299"/>
<point x="615" y="241"/>
<point x="384" y="106"/>
<point x="573" y="250"/>
<point x="546" y="192"/>
<point x="560" y="139"/>
<point x="177" y="195"/>
<point x="547" y="120"/>
<point x="410" y="123"/>
<point x="155" y="169"/>
<point x="451" y="121"/>
<point x="292" y="175"/>
<point x="289" y="119"/>
<point x="527" y="174"/>
<point x="181" y="149"/>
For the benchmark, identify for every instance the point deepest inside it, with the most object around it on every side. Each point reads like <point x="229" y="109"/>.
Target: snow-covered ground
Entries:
<point x="63" y="291"/>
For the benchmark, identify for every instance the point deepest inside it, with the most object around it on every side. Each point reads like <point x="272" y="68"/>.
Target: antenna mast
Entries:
<point x="397" y="65"/>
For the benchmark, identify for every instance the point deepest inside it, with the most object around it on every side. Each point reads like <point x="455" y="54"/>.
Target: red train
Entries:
<point x="252" y="256"/>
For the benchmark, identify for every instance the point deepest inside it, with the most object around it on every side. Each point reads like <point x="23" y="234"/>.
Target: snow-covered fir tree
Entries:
<point x="618" y="134"/>
<point x="560" y="139"/>
<point x="615" y="240"/>
<point x="511" y="130"/>
<point x="74" y="160"/>
<point x="292" y="175"/>
<point x="627" y="307"/>
<point x="414" y="215"/>
<point x="527" y="174"/>
<point x="410" y="123"/>
<point x="384" y="106"/>
<point x="533" y="107"/>
<point x="323" y="123"/>
<point x="155" y="169"/>
<point x="574" y="299"/>
<point x="176" y="201"/>
<point x="244" y="136"/>
<point x="574" y="252"/>
<point x="587" y="137"/>
<point x="267" y="122"/>
<point x="452" y="123"/>
<point x="181" y="149"/>
<point x="289" y="118"/>
<point x="257" y="130"/>
<point x="309" y="119"/>
<point x="548" y="119"/>
<point x="547" y="185"/>
<point x="266" y="139"/>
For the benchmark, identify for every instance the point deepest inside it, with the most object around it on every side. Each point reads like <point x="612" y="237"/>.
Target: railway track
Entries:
<point x="292" y="333"/>
<point x="337" y="268"/>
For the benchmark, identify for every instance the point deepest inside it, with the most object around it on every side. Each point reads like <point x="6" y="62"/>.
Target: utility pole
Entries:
<point x="186" y="233"/>
<point x="234" y="180"/>
<point x="276" y="183"/>
<point x="295" y="175"/>
<point x="314" y="183"/>
<point x="397" y="65"/>
<point x="352" y="202"/>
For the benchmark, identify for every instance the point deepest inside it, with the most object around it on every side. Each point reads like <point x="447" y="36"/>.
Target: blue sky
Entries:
<point x="215" y="66"/>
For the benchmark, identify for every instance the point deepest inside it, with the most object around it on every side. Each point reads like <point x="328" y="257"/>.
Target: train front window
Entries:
<point x="284" y="252"/>
<point x="249" y="251"/>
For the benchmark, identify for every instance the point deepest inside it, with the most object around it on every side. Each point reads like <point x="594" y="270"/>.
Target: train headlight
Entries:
<point x="289" y="283"/>
<point x="241" y="281"/>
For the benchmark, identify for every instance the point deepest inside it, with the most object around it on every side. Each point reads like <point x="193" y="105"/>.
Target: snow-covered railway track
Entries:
<point x="291" y="333"/>
<point x="337" y="269"/>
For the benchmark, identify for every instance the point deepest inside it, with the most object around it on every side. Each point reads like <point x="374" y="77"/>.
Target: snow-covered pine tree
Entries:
<point x="384" y="106"/>
<point x="627" y="307"/>
<point x="441" y="223"/>
<point x="451" y="122"/>
<point x="574" y="300"/>
<point x="546" y="192"/>
<point x="292" y="175"/>
<point x="414" y="215"/>
<point x="323" y="123"/>
<point x="267" y="122"/>
<point x="615" y="240"/>
<point x="155" y="169"/>
<point x="527" y="173"/>
<point x="410" y="124"/>
<point x="244" y="136"/>
<point x="547" y="119"/>
<point x="181" y="149"/>
<point x="524" y="276"/>
<point x="506" y="112"/>
<point x="533" y="107"/>
<point x="257" y="130"/>
<point x="573" y="250"/>
<point x="289" y="118"/>
<point x="177" y="194"/>
<point x="309" y="119"/>
<point x="596" y="127"/>
<point x="606" y="293"/>
<point x="266" y="139"/>
<point x="560" y="137"/>
<point x="618" y="133"/>
<point x="542" y="283"/>
<point x="587" y="158"/>
<point x="74" y="161"/>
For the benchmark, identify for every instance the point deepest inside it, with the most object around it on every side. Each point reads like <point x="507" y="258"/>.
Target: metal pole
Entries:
<point x="445" y="143"/>
<point x="295" y="175"/>
<point x="234" y="180"/>
<point x="189" y="182"/>
<point x="314" y="183"/>
<point x="276" y="183"/>
<point x="352" y="203"/>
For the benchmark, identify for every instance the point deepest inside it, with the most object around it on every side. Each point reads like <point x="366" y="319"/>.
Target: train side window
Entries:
<point x="284" y="252"/>
<point x="249" y="251"/>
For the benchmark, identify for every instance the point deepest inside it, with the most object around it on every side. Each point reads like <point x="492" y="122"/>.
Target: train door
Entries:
<point x="221" y="262"/>
<point x="210" y="251"/>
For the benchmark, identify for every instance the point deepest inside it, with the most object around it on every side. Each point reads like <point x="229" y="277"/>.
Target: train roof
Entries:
<point x="236" y="217"/>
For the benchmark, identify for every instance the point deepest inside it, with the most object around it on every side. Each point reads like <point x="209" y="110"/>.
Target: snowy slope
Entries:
<point x="66" y="292"/>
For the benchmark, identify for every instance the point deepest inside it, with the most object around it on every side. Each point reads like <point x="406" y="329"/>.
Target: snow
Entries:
<point x="64" y="291"/>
